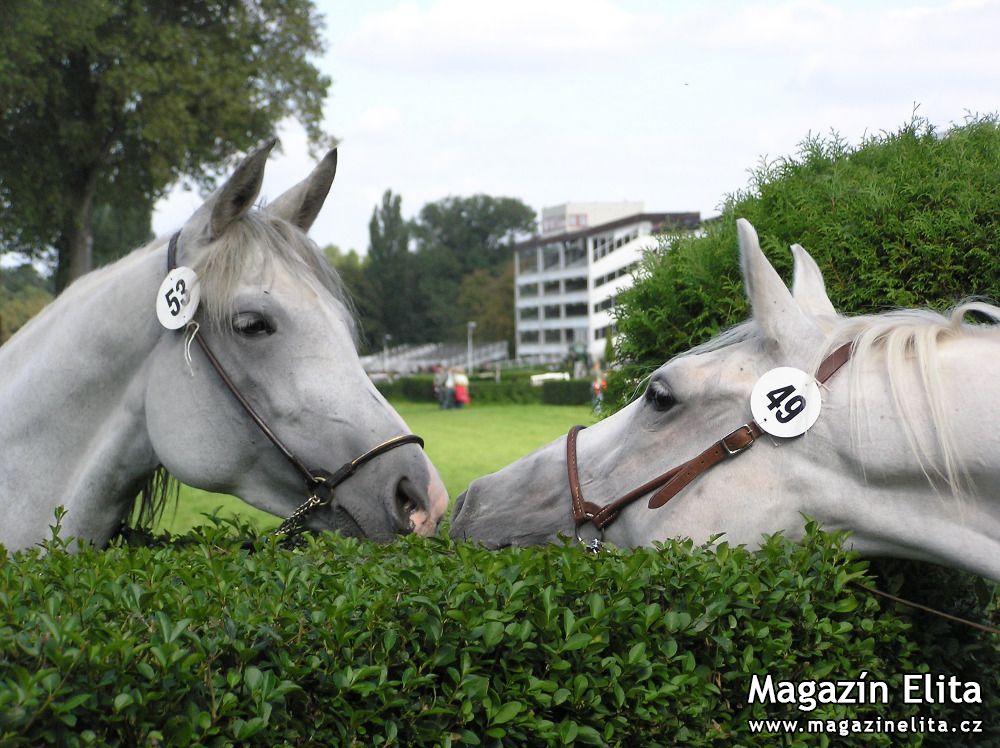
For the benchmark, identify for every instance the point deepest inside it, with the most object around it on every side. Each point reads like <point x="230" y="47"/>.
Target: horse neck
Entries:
<point x="71" y="394"/>
<point x="929" y="491"/>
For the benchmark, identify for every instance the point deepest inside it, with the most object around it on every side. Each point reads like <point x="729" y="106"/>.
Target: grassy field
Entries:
<point x="463" y="444"/>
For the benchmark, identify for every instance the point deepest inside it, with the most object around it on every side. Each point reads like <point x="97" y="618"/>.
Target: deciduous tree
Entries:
<point x="108" y="103"/>
<point x="456" y="237"/>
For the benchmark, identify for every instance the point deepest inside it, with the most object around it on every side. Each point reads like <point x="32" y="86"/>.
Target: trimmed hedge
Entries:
<point x="570" y="392"/>
<point x="420" y="388"/>
<point x="198" y="641"/>
<point x="517" y="391"/>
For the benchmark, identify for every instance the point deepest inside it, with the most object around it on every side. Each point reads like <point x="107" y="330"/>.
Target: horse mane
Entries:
<point x="909" y="340"/>
<point x="154" y="496"/>
<point x="274" y="242"/>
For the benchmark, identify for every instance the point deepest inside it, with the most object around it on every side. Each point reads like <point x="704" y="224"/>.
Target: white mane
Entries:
<point x="908" y="340"/>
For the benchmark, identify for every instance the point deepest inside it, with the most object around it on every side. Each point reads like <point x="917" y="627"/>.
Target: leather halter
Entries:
<point x="669" y="484"/>
<point x="320" y="483"/>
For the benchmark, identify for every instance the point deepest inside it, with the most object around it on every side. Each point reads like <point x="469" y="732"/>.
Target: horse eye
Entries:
<point x="252" y="325"/>
<point x="659" y="396"/>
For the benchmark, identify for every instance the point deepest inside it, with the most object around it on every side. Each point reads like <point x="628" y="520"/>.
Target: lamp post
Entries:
<point x="471" y="326"/>
<point x="385" y="352"/>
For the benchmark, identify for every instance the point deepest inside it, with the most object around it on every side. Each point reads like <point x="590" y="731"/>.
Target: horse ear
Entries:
<point x="301" y="204"/>
<point x="779" y="315"/>
<point x="808" y="287"/>
<point x="234" y="198"/>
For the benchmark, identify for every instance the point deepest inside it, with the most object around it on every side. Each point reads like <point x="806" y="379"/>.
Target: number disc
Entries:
<point x="178" y="297"/>
<point x="785" y="401"/>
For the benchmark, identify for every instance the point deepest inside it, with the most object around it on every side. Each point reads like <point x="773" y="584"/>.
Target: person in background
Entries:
<point x="598" y="385"/>
<point x="462" y="396"/>
<point x="449" y="390"/>
<point x="439" y="384"/>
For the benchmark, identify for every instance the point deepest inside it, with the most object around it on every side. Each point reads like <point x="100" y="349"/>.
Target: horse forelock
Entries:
<point x="263" y="244"/>
<point x="908" y="341"/>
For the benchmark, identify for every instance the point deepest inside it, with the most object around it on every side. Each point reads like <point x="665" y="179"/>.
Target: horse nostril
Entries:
<point x="407" y="504"/>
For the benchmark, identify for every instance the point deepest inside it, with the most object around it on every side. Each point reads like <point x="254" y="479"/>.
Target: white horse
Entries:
<point x="904" y="451"/>
<point x="96" y="394"/>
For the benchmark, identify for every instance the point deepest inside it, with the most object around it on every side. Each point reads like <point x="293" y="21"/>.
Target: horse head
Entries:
<point x="278" y="318"/>
<point x="106" y="393"/>
<point x="890" y="438"/>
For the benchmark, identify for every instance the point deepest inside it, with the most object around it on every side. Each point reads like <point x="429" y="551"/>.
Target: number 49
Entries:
<point x="794" y="405"/>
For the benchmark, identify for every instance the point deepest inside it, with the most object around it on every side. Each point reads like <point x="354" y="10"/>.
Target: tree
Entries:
<point x="108" y="103"/>
<point x="118" y="229"/>
<point x="23" y="293"/>
<point x="488" y="298"/>
<point x="390" y="273"/>
<point x="353" y="272"/>
<point x="457" y="236"/>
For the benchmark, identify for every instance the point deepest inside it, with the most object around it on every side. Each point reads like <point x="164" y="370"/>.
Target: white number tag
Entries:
<point x="178" y="297"/>
<point x="785" y="402"/>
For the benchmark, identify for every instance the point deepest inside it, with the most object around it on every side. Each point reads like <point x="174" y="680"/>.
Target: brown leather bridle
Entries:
<point x="669" y="484"/>
<point x="320" y="484"/>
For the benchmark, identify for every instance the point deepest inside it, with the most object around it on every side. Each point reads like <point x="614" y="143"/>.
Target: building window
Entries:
<point x="527" y="261"/>
<point x="568" y="335"/>
<point x="575" y="284"/>
<point x="551" y="287"/>
<point x="576" y="253"/>
<point x="550" y="257"/>
<point x="528" y="312"/>
<point x="529" y="336"/>
<point x="603" y="332"/>
<point x="552" y="311"/>
<point x="527" y="290"/>
<point x="553" y="336"/>
<point x="606" y="304"/>
<point x="576" y="310"/>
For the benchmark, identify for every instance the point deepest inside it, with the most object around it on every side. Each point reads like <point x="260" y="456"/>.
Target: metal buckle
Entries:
<point x="594" y="545"/>
<point x="745" y="447"/>
<point x="315" y="500"/>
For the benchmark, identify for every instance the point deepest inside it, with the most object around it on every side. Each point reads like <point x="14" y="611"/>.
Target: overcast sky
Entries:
<point x="669" y="103"/>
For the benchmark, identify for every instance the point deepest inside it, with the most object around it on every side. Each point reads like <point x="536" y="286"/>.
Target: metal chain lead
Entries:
<point x="295" y="522"/>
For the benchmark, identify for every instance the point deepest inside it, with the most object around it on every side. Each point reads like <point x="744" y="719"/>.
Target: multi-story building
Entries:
<point x="567" y="278"/>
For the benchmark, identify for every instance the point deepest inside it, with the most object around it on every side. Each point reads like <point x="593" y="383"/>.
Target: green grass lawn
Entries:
<point x="463" y="444"/>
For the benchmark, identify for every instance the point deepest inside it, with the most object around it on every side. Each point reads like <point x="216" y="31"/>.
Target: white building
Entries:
<point x="566" y="279"/>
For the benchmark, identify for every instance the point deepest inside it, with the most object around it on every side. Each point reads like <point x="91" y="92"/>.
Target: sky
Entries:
<point x="668" y="103"/>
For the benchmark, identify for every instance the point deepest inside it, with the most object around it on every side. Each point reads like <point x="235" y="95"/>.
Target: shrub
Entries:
<point x="909" y="218"/>
<point x="570" y="392"/>
<point x="418" y="388"/>
<point x="389" y="390"/>
<point x="200" y="640"/>
<point x="513" y="391"/>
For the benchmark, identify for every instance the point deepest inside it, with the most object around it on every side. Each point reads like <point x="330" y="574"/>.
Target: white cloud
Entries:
<point x="457" y="37"/>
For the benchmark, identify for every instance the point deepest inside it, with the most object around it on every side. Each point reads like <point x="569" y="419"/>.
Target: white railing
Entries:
<point x="408" y="359"/>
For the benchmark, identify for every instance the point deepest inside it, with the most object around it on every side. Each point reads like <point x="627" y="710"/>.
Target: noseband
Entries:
<point x="320" y="484"/>
<point x="669" y="484"/>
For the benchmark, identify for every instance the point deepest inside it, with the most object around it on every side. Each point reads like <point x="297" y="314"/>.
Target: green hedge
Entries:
<point x="909" y="218"/>
<point x="570" y="392"/>
<point x="198" y="641"/>
<point x="516" y="391"/>
<point x="420" y="388"/>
